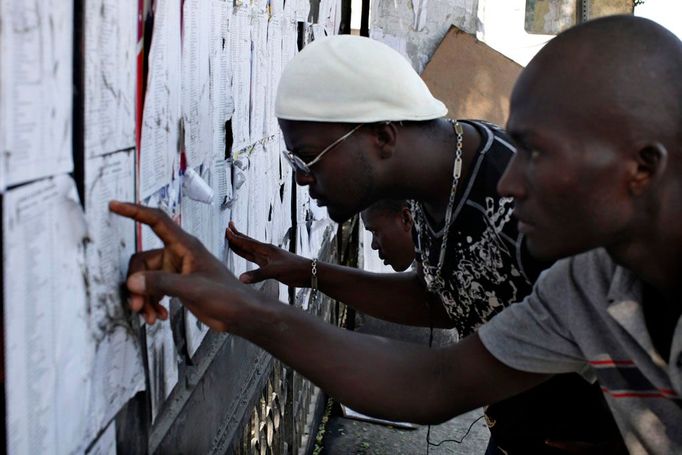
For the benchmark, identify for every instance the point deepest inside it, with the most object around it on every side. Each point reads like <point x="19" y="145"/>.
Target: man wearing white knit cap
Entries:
<point x="360" y="125"/>
<point x="597" y="174"/>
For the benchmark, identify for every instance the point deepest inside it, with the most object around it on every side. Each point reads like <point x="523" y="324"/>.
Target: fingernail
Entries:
<point x="136" y="283"/>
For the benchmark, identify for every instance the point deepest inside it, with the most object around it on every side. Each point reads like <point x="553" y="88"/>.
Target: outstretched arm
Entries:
<point x="395" y="297"/>
<point x="381" y="377"/>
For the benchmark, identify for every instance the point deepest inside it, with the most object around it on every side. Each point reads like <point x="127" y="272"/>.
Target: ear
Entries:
<point x="651" y="161"/>
<point x="386" y="134"/>
<point x="406" y="218"/>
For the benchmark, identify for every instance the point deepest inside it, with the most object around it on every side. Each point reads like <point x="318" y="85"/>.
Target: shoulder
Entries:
<point x="594" y="269"/>
<point x="493" y="136"/>
<point x="495" y="150"/>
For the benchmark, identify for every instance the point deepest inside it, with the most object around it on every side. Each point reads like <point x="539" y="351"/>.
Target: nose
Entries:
<point x="303" y="179"/>
<point x="512" y="182"/>
<point x="375" y="243"/>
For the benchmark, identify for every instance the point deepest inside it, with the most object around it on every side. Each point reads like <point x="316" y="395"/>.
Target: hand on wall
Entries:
<point x="274" y="262"/>
<point x="183" y="268"/>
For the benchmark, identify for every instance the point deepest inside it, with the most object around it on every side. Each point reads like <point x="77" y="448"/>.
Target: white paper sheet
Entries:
<point x="162" y="361"/>
<point x="196" y="108"/>
<point x="282" y="213"/>
<point x="241" y="184"/>
<point x="118" y="372"/>
<point x="420" y="11"/>
<point x="289" y="33"/>
<point x="162" y="357"/>
<point x="221" y="72"/>
<point x="241" y="77"/>
<point x="302" y="10"/>
<point x="223" y="183"/>
<point x="328" y="18"/>
<point x="162" y="105"/>
<point x="274" y="71"/>
<point x="48" y="347"/>
<point x="36" y="77"/>
<point x="259" y="75"/>
<point x="110" y="69"/>
<point x="207" y="223"/>
<point x="257" y="215"/>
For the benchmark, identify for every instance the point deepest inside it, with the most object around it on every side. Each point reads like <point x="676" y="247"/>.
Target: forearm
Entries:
<point x="362" y="371"/>
<point x="377" y="376"/>
<point x="395" y="297"/>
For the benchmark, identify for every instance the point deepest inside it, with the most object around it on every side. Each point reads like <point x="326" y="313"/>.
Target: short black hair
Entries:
<point x="388" y="206"/>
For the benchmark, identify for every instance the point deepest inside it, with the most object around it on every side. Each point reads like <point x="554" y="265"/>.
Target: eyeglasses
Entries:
<point x="304" y="168"/>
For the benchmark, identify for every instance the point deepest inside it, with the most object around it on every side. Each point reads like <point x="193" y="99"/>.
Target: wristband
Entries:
<point x="313" y="275"/>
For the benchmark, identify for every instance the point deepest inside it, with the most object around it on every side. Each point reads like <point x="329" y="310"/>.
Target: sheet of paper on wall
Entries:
<point x="270" y="183"/>
<point x="220" y="66"/>
<point x="241" y="75"/>
<point x="303" y="202"/>
<point x="223" y="186"/>
<point x="168" y="200"/>
<point x="303" y="240"/>
<point x="162" y="361"/>
<point x="255" y="216"/>
<point x="240" y="209"/>
<point x="48" y="347"/>
<point x="207" y="222"/>
<point x="196" y="218"/>
<point x="106" y="443"/>
<point x="110" y="70"/>
<point x="282" y="214"/>
<point x="302" y="10"/>
<point x="328" y="17"/>
<point x="220" y="217"/>
<point x="321" y="231"/>
<point x="420" y="9"/>
<point x="36" y="77"/>
<point x="196" y="81"/>
<point x="274" y="71"/>
<point x="162" y="106"/>
<point x="289" y="32"/>
<point x="162" y="357"/>
<point x="118" y="372"/>
<point x="259" y="75"/>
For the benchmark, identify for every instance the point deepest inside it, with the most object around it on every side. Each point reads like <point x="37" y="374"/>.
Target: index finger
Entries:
<point x="161" y="224"/>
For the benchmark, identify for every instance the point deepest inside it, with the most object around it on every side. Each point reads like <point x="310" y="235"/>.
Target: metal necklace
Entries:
<point x="434" y="281"/>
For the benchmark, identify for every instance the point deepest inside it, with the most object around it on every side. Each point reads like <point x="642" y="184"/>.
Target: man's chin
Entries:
<point x="399" y="267"/>
<point x="547" y="252"/>
<point x="539" y="251"/>
<point x="338" y="215"/>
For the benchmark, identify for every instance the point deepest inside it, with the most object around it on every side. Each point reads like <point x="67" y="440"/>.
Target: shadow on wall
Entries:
<point x="472" y="79"/>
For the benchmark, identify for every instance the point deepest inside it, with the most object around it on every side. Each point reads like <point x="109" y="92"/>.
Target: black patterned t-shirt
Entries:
<point x="486" y="266"/>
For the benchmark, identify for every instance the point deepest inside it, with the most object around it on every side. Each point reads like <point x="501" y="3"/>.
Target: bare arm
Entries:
<point x="387" y="378"/>
<point x="381" y="377"/>
<point x="395" y="297"/>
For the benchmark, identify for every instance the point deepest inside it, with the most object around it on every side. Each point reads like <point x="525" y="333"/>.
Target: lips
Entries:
<point x="524" y="225"/>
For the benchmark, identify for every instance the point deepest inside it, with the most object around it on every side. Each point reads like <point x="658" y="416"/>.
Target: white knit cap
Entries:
<point x="353" y="79"/>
